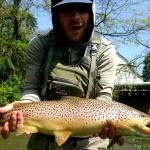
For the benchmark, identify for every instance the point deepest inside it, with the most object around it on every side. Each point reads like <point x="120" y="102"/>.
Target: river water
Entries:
<point x="14" y="142"/>
<point x="20" y="143"/>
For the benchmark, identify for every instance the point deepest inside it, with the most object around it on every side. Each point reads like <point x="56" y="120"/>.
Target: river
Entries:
<point x="20" y="143"/>
<point x="14" y="142"/>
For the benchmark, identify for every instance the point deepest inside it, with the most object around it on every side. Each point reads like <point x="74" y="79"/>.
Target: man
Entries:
<point x="70" y="45"/>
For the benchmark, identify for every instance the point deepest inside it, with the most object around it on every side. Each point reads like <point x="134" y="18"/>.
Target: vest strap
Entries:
<point x="92" y="74"/>
<point x="48" y="62"/>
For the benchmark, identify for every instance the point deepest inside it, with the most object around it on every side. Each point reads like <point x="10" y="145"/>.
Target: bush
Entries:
<point x="11" y="89"/>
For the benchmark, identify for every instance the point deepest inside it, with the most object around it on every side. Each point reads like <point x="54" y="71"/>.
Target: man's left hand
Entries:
<point x="110" y="132"/>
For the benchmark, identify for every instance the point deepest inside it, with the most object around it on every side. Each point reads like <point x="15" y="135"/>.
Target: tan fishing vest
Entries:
<point x="71" y="80"/>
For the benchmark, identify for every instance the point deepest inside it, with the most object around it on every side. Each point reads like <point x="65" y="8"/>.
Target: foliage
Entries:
<point x="16" y="25"/>
<point x="10" y="89"/>
<point x="126" y="23"/>
<point x="123" y="20"/>
<point x="12" y="58"/>
<point x="12" y="69"/>
<point x="146" y="69"/>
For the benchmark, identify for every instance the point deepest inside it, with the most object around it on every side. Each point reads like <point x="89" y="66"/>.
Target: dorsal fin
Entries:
<point x="16" y="104"/>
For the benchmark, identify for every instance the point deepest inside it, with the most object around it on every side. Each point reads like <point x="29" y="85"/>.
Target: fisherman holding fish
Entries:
<point x="71" y="60"/>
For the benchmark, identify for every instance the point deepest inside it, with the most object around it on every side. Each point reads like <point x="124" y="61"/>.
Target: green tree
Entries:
<point x="125" y="22"/>
<point x="16" y="24"/>
<point x="146" y="69"/>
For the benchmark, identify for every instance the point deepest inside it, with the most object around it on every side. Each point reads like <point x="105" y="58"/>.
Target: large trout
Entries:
<point x="78" y="117"/>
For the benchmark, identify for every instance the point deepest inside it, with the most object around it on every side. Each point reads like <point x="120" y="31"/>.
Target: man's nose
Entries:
<point x="75" y="13"/>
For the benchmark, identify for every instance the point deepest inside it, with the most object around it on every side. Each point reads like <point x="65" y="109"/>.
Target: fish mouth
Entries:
<point x="145" y="128"/>
<point x="148" y="125"/>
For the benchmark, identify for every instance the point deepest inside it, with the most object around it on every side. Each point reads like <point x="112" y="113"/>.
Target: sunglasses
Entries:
<point x="80" y="8"/>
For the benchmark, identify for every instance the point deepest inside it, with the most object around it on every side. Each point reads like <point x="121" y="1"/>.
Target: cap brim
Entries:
<point x="72" y="1"/>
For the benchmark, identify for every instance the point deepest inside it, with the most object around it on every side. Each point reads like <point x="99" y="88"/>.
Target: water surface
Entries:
<point x="20" y="143"/>
<point x="14" y="142"/>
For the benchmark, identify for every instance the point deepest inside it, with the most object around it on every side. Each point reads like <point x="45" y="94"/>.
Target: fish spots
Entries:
<point x="78" y="112"/>
<point x="94" y="119"/>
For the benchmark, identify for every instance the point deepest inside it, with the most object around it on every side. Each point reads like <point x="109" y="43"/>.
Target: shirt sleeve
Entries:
<point x="107" y="65"/>
<point x="35" y="55"/>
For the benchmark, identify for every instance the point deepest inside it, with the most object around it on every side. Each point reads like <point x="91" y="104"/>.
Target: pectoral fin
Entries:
<point x="61" y="137"/>
<point x="117" y="124"/>
<point x="23" y="129"/>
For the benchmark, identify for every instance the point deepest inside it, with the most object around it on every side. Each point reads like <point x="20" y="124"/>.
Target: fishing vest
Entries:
<point x="81" y="79"/>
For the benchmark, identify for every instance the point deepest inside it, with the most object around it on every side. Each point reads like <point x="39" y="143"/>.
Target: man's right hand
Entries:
<point x="15" y="119"/>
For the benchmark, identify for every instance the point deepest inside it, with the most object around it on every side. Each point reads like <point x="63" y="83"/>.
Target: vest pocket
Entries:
<point x="58" y="87"/>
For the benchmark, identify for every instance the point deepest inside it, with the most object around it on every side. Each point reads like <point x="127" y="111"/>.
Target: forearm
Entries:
<point x="107" y="65"/>
<point x="35" y="55"/>
<point x="31" y="95"/>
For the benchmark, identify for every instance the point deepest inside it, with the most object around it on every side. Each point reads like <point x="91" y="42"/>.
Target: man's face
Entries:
<point x="74" y="19"/>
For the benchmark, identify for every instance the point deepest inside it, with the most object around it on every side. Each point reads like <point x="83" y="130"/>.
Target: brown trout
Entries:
<point x="78" y="117"/>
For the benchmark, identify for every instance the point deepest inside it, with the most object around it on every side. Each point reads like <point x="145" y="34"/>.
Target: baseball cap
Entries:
<point x="61" y="2"/>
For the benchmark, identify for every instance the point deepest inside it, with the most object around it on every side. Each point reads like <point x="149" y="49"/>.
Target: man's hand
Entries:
<point x="110" y="132"/>
<point x="15" y="119"/>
